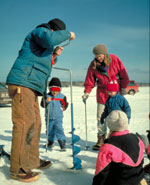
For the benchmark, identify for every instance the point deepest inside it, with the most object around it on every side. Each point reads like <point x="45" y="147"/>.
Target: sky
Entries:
<point x="121" y="25"/>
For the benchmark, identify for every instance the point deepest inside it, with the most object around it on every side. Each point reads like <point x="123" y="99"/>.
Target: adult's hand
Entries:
<point x="72" y="36"/>
<point x="85" y="97"/>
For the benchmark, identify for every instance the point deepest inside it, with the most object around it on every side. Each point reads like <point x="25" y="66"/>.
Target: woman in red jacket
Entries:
<point x="101" y="69"/>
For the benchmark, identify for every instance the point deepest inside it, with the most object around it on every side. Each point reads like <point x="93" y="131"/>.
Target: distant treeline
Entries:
<point x="67" y="84"/>
<point x="144" y="84"/>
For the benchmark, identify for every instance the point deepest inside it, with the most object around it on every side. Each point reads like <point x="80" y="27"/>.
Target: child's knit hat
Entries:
<point x="112" y="85"/>
<point x="55" y="84"/>
<point x="117" y="121"/>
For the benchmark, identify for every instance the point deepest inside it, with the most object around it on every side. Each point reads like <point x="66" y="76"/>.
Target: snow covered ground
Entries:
<point x="60" y="173"/>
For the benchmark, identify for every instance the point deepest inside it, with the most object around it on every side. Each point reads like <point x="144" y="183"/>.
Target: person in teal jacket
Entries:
<point x="27" y="80"/>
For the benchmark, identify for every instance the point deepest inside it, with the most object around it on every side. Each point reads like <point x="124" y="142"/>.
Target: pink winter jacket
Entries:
<point x="93" y="76"/>
<point x="120" y="160"/>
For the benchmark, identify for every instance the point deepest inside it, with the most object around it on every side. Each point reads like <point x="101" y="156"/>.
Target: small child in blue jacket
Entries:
<point x="57" y="103"/>
<point x="115" y="101"/>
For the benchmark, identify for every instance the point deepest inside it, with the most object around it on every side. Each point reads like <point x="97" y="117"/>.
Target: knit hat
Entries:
<point x="112" y="85"/>
<point x="55" y="84"/>
<point x="117" y="121"/>
<point x="57" y="24"/>
<point x="100" y="49"/>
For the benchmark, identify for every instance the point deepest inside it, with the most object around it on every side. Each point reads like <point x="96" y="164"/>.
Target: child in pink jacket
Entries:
<point x="120" y="158"/>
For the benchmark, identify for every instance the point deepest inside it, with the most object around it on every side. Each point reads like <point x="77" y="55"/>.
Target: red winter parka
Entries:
<point x="94" y="77"/>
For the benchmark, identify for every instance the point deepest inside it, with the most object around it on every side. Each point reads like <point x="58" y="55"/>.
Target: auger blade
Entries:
<point x="76" y="150"/>
<point x="75" y="138"/>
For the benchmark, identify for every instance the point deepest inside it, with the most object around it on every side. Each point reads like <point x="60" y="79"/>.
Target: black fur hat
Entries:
<point x="57" y="24"/>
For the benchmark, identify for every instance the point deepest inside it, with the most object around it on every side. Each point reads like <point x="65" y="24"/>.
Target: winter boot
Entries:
<point x="99" y="142"/>
<point x="50" y="144"/>
<point x="26" y="177"/>
<point x="44" y="164"/>
<point x="62" y="144"/>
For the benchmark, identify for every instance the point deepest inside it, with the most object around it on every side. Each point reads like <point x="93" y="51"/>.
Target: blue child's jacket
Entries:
<point x="117" y="102"/>
<point x="56" y="106"/>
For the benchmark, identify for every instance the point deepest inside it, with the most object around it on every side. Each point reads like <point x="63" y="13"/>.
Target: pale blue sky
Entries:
<point x="122" y="25"/>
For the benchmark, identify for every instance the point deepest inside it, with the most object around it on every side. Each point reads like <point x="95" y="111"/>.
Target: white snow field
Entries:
<point x="60" y="173"/>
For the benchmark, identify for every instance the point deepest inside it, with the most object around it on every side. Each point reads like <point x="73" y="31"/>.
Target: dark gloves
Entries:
<point x="148" y="135"/>
<point x="144" y="139"/>
<point x="102" y="121"/>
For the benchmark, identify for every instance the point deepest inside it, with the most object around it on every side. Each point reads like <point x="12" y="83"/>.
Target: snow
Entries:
<point x="60" y="172"/>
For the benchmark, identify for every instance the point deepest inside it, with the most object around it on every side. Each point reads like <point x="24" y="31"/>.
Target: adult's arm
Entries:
<point x="48" y="39"/>
<point x="90" y="79"/>
<point x="123" y="75"/>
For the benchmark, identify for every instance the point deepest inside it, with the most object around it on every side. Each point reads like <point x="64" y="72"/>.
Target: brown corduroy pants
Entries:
<point x="26" y="129"/>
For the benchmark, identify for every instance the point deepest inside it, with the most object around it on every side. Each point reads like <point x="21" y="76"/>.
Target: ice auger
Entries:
<point x="75" y="149"/>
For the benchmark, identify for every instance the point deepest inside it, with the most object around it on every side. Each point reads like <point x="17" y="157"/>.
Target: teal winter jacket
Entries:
<point x="32" y="67"/>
